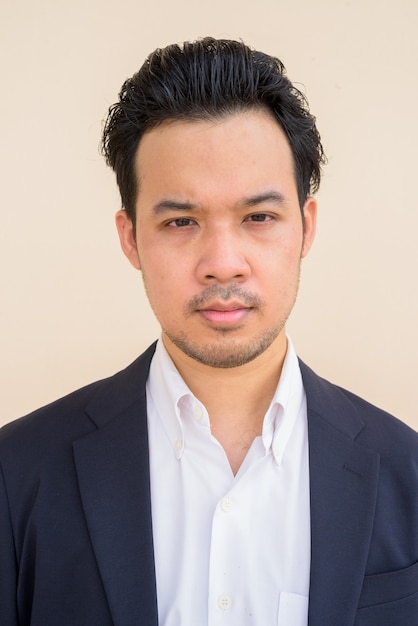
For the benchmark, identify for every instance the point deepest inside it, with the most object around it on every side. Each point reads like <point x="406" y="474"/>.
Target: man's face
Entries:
<point x="219" y="235"/>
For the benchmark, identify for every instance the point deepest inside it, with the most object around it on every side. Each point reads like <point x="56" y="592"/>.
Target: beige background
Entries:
<point x="72" y="310"/>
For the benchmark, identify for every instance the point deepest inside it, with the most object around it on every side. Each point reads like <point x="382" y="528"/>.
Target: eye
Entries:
<point x="259" y="217"/>
<point x="181" y="222"/>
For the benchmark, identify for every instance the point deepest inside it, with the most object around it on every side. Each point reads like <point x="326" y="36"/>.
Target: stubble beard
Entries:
<point x="226" y="351"/>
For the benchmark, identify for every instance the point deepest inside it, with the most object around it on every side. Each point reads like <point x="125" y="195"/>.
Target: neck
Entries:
<point x="236" y="398"/>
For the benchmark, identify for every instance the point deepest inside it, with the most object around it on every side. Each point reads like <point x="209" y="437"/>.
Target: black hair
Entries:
<point x="201" y="80"/>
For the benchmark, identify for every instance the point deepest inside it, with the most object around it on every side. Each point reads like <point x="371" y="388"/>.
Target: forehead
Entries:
<point x="238" y="150"/>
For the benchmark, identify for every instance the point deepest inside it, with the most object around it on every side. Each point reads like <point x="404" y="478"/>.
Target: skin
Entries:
<point x="219" y="241"/>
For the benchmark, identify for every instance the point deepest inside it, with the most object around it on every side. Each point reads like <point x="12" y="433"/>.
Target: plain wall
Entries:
<point x="73" y="310"/>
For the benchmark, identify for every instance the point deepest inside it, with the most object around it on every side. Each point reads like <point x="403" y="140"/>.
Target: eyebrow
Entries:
<point x="168" y="204"/>
<point x="269" y="196"/>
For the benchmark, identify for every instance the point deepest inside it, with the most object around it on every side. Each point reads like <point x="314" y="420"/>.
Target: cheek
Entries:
<point x="282" y="259"/>
<point x="281" y="273"/>
<point x="165" y="271"/>
<point x="162" y="285"/>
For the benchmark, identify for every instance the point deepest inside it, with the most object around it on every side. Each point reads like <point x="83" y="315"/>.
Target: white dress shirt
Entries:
<point x="230" y="550"/>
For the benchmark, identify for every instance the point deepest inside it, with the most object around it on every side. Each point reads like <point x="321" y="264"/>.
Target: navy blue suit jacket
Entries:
<point x="75" y="513"/>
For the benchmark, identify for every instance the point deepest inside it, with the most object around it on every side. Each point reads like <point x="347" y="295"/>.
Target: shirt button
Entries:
<point x="197" y="412"/>
<point x="226" y="505"/>
<point x="178" y="445"/>
<point x="224" y="602"/>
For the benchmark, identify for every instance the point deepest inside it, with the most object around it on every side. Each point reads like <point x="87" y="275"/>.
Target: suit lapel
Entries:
<point x="343" y="485"/>
<point x="113" y="472"/>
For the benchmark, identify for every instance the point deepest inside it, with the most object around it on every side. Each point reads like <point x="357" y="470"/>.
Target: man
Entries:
<point x="216" y="479"/>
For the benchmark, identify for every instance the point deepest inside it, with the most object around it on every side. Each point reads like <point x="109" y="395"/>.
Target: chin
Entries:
<point x="226" y="352"/>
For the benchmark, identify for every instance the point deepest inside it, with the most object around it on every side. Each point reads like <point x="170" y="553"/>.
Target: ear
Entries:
<point x="127" y="238"/>
<point x="309" y="213"/>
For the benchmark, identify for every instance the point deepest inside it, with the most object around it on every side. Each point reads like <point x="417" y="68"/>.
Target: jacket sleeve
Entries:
<point x="8" y="563"/>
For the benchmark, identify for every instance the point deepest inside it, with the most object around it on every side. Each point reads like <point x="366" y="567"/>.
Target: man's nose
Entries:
<point x="222" y="257"/>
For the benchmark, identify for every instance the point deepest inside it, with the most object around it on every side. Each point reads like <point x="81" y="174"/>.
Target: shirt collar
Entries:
<point x="285" y="407"/>
<point x="168" y="391"/>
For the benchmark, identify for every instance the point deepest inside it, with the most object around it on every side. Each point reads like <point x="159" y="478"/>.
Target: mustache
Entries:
<point x="217" y="292"/>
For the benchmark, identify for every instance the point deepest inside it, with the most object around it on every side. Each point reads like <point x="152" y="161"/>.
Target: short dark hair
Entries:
<point x="201" y="80"/>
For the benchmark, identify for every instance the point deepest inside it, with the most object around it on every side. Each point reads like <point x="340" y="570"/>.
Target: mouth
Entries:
<point x="225" y="314"/>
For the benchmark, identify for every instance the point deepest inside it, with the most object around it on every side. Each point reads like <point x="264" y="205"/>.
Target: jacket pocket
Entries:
<point x="396" y="613"/>
<point x="389" y="587"/>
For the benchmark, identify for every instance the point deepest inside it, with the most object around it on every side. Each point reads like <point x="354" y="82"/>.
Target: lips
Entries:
<point x="227" y="314"/>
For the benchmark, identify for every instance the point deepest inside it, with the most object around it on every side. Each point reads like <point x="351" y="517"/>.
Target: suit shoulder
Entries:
<point x="66" y="417"/>
<point x="381" y="425"/>
<point x="53" y="414"/>
<point x="368" y="424"/>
